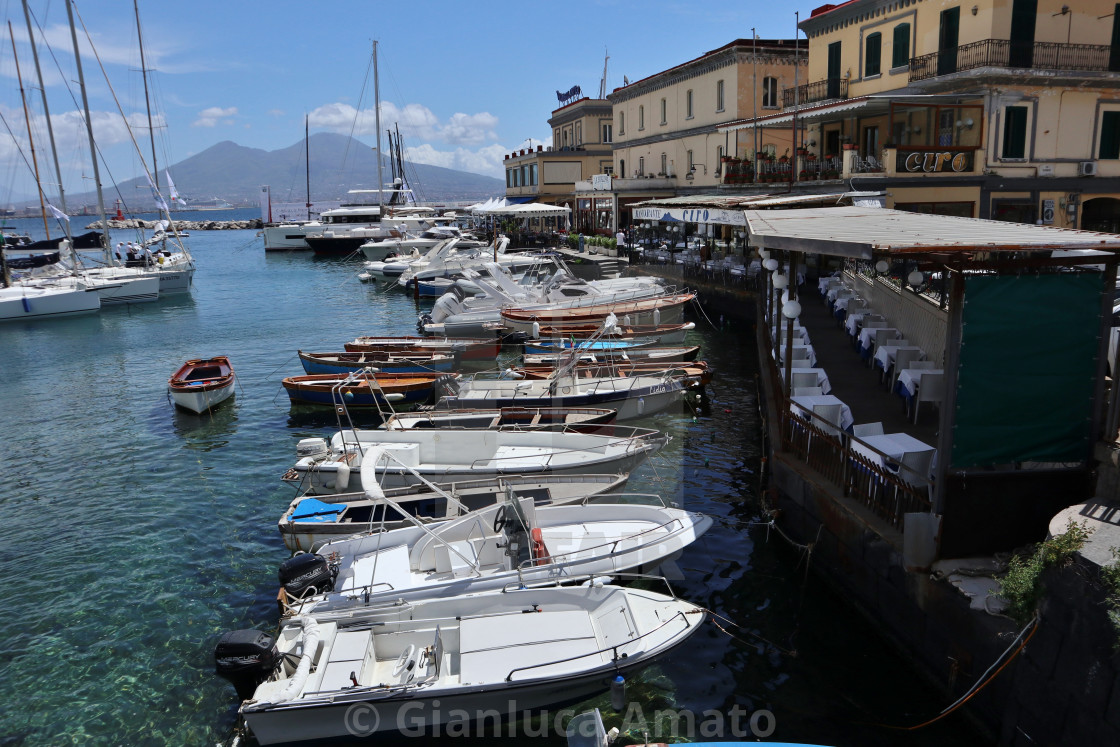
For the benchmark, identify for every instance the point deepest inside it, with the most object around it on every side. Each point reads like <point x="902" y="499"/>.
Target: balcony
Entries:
<point x="811" y="93"/>
<point x="1009" y="54"/>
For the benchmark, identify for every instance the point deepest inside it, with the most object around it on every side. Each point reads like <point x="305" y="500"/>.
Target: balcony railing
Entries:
<point x="821" y="90"/>
<point x="1013" y="54"/>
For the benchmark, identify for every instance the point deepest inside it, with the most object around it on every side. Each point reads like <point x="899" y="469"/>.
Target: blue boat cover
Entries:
<point x="312" y="509"/>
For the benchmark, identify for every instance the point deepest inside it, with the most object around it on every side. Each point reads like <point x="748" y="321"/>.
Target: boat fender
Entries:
<point x="343" y="479"/>
<point x="641" y="405"/>
<point x="536" y="330"/>
<point x="310" y="647"/>
<point x="618" y="693"/>
<point x="656" y="317"/>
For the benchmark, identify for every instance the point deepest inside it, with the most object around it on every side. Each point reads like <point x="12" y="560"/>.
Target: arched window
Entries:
<point x="622" y="123"/>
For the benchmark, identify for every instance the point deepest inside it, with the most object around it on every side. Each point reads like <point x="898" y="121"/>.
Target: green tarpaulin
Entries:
<point x="1028" y="364"/>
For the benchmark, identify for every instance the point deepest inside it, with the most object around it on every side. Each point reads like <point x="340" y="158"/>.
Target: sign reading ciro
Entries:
<point x="930" y="162"/>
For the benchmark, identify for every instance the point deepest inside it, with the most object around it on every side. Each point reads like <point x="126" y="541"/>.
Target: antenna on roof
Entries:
<point x="603" y="82"/>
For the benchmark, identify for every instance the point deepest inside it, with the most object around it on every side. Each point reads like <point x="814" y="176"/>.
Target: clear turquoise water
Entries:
<point x="136" y="534"/>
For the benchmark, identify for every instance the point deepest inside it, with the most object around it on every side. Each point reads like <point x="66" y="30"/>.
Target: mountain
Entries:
<point x="235" y="173"/>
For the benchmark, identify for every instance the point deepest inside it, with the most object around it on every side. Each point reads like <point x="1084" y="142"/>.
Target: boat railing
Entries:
<point x="590" y="579"/>
<point x="613" y="649"/>
<point x="634" y="442"/>
<point x="568" y="558"/>
<point x="654" y="499"/>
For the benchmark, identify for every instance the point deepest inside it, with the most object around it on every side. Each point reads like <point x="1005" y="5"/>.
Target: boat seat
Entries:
<point x="491" y="646"/>
<point x="350" y="653"/>
<point x="391" y="566"/>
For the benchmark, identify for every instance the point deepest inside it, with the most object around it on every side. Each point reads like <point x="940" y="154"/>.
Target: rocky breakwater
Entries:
<point x="183" y="225"/>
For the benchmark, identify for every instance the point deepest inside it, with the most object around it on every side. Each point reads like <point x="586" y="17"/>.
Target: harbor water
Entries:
<point x="136" y="534"/>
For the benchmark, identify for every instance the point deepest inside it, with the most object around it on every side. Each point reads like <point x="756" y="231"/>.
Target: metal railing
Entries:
<point x="1013" y="54"/>
<point x="885" y="492"/>
<point x="810" y="93"/>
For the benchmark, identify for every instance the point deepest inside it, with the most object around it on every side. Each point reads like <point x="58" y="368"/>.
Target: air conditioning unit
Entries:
<point x="1087" y="168"/>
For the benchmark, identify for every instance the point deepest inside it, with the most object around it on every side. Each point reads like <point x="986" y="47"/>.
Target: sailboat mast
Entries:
<point x="377" y="123"/>
<point x="89" y="133"/>
<point x="307" y="163"/>
<point x="30" y="140"/>
<point x="147" y="102"/>
<point x="46" y="114"/>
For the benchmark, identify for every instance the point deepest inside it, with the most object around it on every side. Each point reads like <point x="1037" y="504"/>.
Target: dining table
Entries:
<point x="820" y="373"/>
<point x="909" y="379"/>
<point x="886" y="449"/>
<point x="803" y="405"/>
<point x="887" y="353"/>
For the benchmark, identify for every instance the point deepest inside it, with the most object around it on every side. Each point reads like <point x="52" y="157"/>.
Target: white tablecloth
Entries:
<point x="911" y="378"/>
<point x="867" y="335"/>
<point x="894" y="445"/>
<point x="886" y="353"/>
<point x="827" y="282"/>
<point x="803" y="405"/>
<point x="822" y="377"/>
<point x="799" y="334"/>
<point x="852" y="323"/>
<point x="843" y="301"/>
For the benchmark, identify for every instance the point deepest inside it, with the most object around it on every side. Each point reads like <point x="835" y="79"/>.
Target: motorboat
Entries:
<point x="310" y="521"/>
<point x="691" y="374"/>
<point x="467" y="349"/>
<point x="505" y="417"/>
<point x="660" y="354"/>
<point x="379" y="250"/>
<point x="384" y="361"/>
<point x="422" y="663"/>
<point x="405" y="457"/>
<point x="512" y="543"/>
<point x="609" y="345"/>
<point x="365" y="389"/>
<point x="664" y="334"/>
<point x="662" y="309"/>
<point x="202" y="384"/>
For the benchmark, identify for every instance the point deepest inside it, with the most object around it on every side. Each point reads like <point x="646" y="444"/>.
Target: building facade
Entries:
<point x="1003" y="109"/>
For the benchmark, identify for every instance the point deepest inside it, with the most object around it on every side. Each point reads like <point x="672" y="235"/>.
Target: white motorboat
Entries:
<point x="405" y="457"/>
<point x="408" y="665"/>
<point x="378" y="250"/>
<point x="506" y="545"/>
<point x="311" y="521"/>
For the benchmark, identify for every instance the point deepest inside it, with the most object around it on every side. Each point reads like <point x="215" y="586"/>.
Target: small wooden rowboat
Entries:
<point x="382" y="361"/>
<point x="467" y="348"/>
<point x="202" y="383"/>
<point x="364" y="390"/>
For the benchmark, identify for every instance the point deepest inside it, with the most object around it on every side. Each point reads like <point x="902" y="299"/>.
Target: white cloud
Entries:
<point x="209" y="117"/>
<point x="416" y="121"/>
<point x="486" y="160"/>
<point x="470" y="129"/>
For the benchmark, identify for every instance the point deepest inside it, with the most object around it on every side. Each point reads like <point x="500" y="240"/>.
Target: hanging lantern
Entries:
<point x="915" y="278"/>
<point x="780" y="281"/>
<point x="770" y="264"/>
<point x="882" y="266"/>
<point x="791" y="309"/>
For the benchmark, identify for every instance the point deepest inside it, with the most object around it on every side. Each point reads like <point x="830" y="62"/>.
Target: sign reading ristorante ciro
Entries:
<point x="934" y="161"/>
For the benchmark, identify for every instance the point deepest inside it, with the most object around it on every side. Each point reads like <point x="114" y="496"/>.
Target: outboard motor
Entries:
<point x="307" y="573"/>
<point x="246" y="658"/>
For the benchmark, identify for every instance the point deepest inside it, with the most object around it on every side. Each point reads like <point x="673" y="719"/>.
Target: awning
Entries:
<point x="862" y="232"/>
<point x="865" y="105"/>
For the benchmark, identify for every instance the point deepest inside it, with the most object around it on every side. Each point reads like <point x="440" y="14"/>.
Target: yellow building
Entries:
<point x="667" y="136"/>
<point x="1004" y="109"/>
<point x="581" y="147"/>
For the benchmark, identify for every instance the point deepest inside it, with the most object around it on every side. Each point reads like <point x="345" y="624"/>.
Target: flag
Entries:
<point x="174" y="192"/>
<point x="160" y="203"/>
<point x="58" y="214"/>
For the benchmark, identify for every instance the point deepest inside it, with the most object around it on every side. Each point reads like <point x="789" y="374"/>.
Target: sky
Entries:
<point x="468" y="82"/>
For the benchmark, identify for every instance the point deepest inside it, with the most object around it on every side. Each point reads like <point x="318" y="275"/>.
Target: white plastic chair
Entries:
<point x="799" y="391"/>
<point x="805" y="379"/>
<point x="867" y="429"/>
<point x="903" y="359"/>
<point x="827" y="418"/>
<point x="914" y="468"/>
<point x="931" y="389"/>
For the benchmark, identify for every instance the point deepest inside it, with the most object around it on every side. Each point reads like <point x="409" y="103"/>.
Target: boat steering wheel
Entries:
<point x="404" y="659"/>
<point x="500" y="519"/>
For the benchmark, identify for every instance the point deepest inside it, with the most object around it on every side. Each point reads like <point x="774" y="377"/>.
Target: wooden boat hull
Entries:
<point x="637" y="355"/>
<point x="384" y="362"/>
<point x="692" y="375"/>
<point x="632" y="397"/>
<point x="202" y="384"/>
<point x="664" y="333"/>
<point x="330" y="391"/>
<point x="661" y="310"/>
<point x="468" y="349"/>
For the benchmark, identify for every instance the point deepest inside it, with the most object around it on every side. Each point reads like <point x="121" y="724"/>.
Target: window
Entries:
<point x="565" y="138"/>
<point x="719" y="158"/>
<point x="688" y="104"/>
<point x="689" y="153"/>
<point x="641" y="165"/>
<point x="509" y="178"/>
<point x="533" y="174"/>
<point x="1110" y="135"/>
<point x="622" y="123"/>
<point x="1014" y="132"/>
<point x="664" y="164"/>
<point x="664" y="111"/>
<point x="579" y="133"/>
<point x="769" y="93"/>
<point x="622" y="167"/>
<point x="641" y="117"/>
<point x="606" y="132"/>
<point x="872" y="55"/>
<point x="719" y="95"/>
<point x="525" y="175"/>
<point x="516" y="173"/>
<point x="900" y="49"/>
